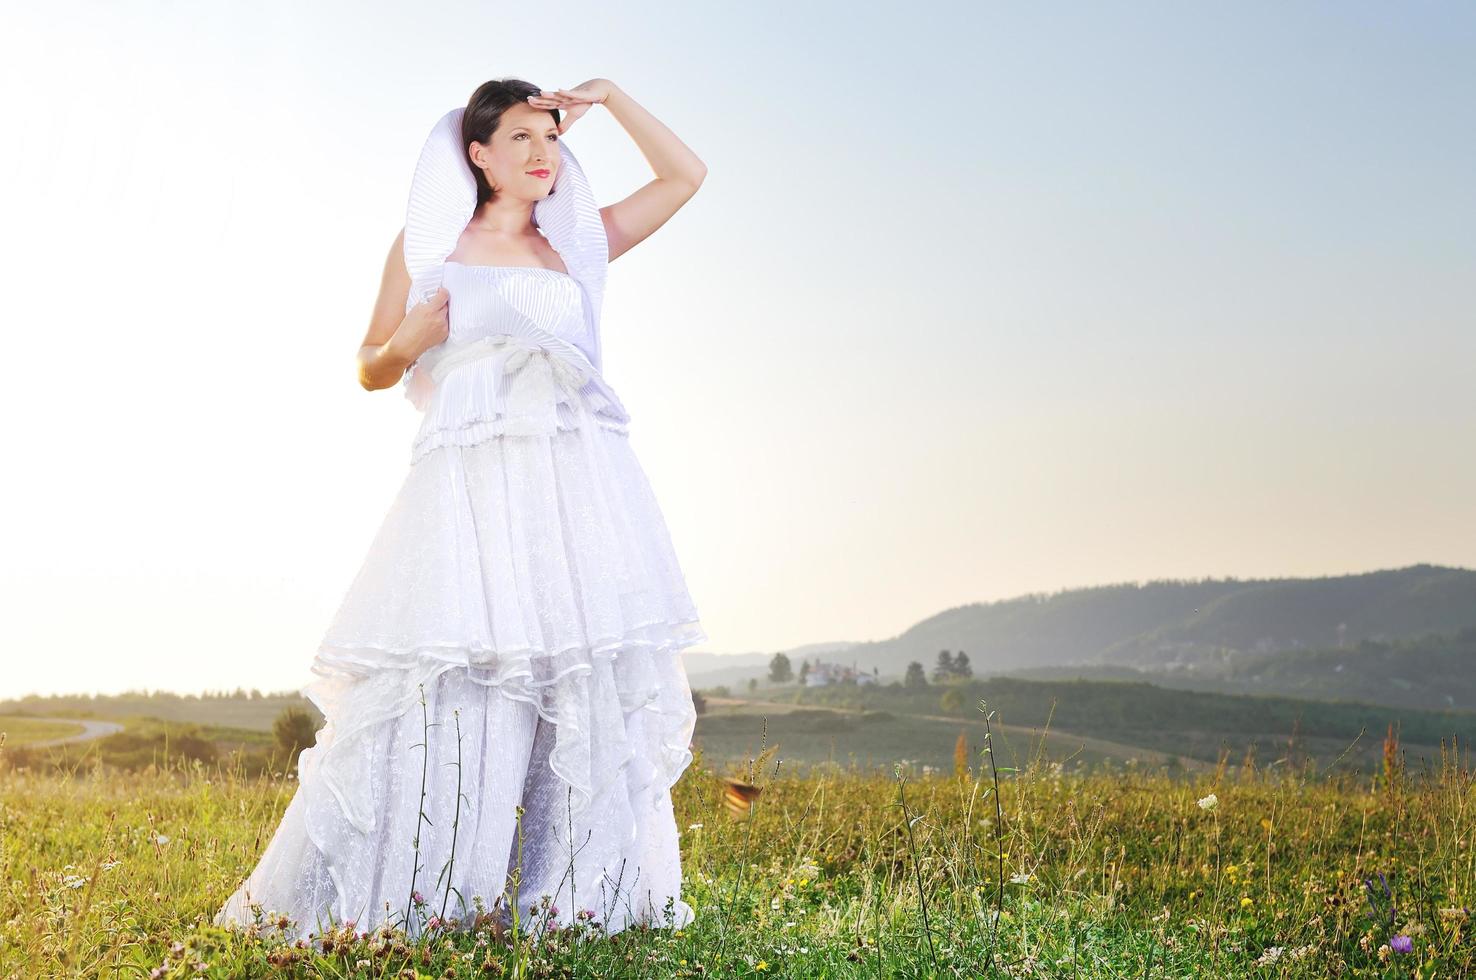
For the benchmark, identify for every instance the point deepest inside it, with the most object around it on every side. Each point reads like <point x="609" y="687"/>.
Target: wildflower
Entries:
<point x="1270" y="956"/>
<point x="1245" y="902"/>
<point x="417" y="898"/>
<point x="1209" y="802"/>
<point x="694" y="826"/>
<point x="761" y="965"/>
<point x="1232" y="870"/>
<point x="1020" y="879"/>
<point x="1402" y="944"/>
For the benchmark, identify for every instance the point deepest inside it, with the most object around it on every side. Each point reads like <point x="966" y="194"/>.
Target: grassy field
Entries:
<point x="1151" y="723"/>
<point x="1121" y="871"/>
<point x="1080" y="724"/>
<point x="20" y="730"/>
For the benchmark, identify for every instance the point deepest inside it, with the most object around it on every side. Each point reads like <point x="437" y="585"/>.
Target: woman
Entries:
<point x="505" y="705"/>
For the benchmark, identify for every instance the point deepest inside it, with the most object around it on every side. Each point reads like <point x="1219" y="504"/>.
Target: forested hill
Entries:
<point x="1186" y="626"/>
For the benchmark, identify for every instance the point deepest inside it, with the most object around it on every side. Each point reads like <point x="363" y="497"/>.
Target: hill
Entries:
<point x="1213" y="628"/>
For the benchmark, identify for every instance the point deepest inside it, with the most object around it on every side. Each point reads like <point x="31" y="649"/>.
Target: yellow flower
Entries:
<point x="761" y="965"/>
<point x="1245" y="902"/>
<point x="1232" y="869"/>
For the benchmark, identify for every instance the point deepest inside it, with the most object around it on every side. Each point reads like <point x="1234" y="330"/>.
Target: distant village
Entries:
<point x="823" y="674"/>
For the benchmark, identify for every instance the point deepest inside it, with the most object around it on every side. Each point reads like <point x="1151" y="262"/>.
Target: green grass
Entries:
<point x="878" y="739"/>
<point x="1112" y="873"/>
<point x="238" y="710"/>
<point x="1191" y="724"/>
<point x="21" y="730"/>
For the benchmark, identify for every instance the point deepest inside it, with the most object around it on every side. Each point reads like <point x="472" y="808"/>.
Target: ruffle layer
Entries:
<point x="442" y="783"/>
<point x="508" y="384"/>
<point x="539" y="568"/>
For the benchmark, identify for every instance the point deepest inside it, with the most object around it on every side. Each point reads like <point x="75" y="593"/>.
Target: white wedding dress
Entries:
<point x="524" y="587"/>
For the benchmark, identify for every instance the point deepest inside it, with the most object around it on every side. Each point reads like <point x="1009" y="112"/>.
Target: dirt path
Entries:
<point x="90" y="730"/>
<point x="1118" y="750"/>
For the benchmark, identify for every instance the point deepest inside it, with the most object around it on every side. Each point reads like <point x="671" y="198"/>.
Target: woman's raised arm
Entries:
<point x="679" y="172"/>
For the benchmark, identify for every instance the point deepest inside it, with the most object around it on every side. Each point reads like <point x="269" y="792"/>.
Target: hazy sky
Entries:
<point x="977" y="300"/>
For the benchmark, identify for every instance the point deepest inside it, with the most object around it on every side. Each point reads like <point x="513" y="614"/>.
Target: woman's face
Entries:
<point x="521" y="159"/>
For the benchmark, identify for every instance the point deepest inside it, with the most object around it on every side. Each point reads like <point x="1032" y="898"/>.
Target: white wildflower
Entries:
<point x="1209" y="802"/>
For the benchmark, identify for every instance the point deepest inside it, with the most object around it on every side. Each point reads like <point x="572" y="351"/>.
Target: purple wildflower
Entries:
<point x="1402" y="944"/>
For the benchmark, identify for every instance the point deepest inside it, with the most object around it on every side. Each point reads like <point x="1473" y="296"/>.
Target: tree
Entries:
<point x="294" y="730"/>
<point x="753" y="684"/>
<point x="952" y="701"/>
<point x="943" y="670"/>
<point x="961" y="668"/>
<point x="780" y="670"/>
<point x="804" y="671"/>
<point x="916" y="676"/>
<point x="699" y="702"/>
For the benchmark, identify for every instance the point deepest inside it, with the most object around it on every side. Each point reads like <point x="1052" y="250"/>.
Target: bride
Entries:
<point x="505" y="704"/>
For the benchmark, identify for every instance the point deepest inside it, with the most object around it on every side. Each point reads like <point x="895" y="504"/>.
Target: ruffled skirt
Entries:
<point x="512" y="639"/>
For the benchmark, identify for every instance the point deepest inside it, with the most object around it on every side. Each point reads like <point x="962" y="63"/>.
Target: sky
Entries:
<point x="976" y="300"/>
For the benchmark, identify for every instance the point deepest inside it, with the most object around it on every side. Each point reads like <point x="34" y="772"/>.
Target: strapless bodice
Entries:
<point x="509" y="299"/>
<point x="516" y="360"/>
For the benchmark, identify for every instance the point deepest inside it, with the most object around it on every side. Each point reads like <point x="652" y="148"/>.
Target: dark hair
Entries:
<point x="483" y="114"/>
